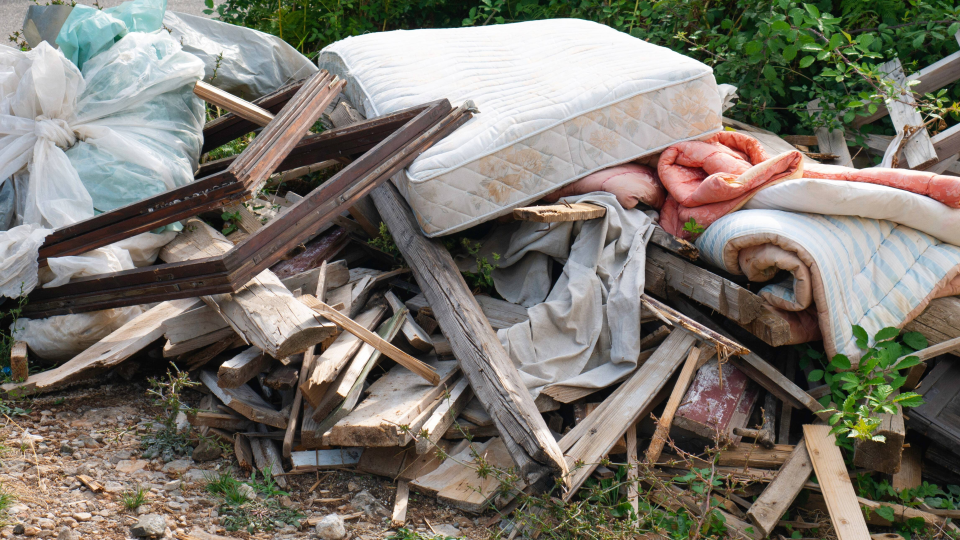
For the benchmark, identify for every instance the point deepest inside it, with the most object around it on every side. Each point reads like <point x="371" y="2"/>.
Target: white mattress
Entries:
<point x="558" y="99"/>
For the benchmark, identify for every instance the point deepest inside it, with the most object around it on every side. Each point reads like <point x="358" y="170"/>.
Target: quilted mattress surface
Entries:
<point x="558" y="99"/>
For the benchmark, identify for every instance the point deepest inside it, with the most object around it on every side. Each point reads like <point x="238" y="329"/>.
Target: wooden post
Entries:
<point x="492" y="374"/>
<point x="19" y="368"/>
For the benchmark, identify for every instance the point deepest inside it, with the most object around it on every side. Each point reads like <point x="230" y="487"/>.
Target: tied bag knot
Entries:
<point x="55" y="130"/>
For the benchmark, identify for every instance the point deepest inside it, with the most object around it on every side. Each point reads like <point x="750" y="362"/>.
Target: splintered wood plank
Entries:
<point x="842" y="504"/>
<point x="400" y="504"/>
<point x="171" y="349"/>
<point x="717" y="402"/>
<point x="486" y="364"/>
<point x="282" y="377"/>
<point x="337" y="274"/>
<point x="267" y="457"/>
<point x="107" y="353"/>
<point x="243" y="452"/>
<point x="241" y="368"/>
<point x="19" y="367"/>
<point x="218" y="420"/>
<point x="397" y="399"/>
<point x="415" y="335"/>
<point x="382" y="345"/>
<point x="245" y="401"/>
<point x="911" y="467"/>
<point x="773" y="503"/>
<point x="918" y="149"/>
<point x="471" y="493"/>
<point x="666" y="419"/>
<point x="592" y="439"/>
<point x="329" y="365"/>
<point x="193" y="324"/>
<point x="560" y="212"/>
<point x="666" y="270"/>
<point x="432" y="482"/>
<point x="200" y="358"/>
<point x="443" y="417"/>
<point x="263" y="310"/>
<point x="344" y="393"/>
<point x="501" y="314"/>
<point x="309" y="358"/>
<point x="315" y="460"/>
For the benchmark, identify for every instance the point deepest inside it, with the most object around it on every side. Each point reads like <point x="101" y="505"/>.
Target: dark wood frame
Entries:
<point x="419" y="128"/>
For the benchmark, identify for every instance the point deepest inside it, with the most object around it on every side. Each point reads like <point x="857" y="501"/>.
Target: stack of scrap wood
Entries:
<point x="317" y="350"/>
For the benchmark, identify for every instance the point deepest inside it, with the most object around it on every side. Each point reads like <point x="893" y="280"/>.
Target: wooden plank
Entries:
<point x="329" y="365"/>
<point x="589" y="441"/>
<point x="633" y="466"/>
<point x="414" y="335"/>
<point x="786" y="410"/>
<point x="202" y="357"/>
<point x="488" y="368"/>
<point x="432" y="482"/>
<point x="172" y="350"/>
<point x="267" y="457"/>
<point x="911" y="468"/>
<point x="452" y="403"/>
<point x="372" y="339"/>
<point x="317" y="460"/>
<point x="193" y="324"/>
<point x="470" y="492"/>
<point x="725" y="346"/>
<point x="245" y="401"/>
<point x="218" y="420"/>
<point x="666" y="418"/>
<point x="665" y="270"/>
<point x="831" y="142"/>
<point x="917" y="149"/>
<point x="107" y="353"/>
<point x="241" y="368"/>
<point x="263" y="310"/>
<point x="282" y="377"/>
<point x="337" y="275"/>
<point x="400" y="504"/>
<point x="500" y="313"/>
<point x="350" y="379"/>
<point x="225" y="100"/>
<point x="555" y="213"/>
<point x="390" y="412"/>
<point x="19" y="366"/>
<point x="243" y="452"/>
<point x="309" y="359"/>
<point x="939" y="322"/>
<point x="842" y="504"/>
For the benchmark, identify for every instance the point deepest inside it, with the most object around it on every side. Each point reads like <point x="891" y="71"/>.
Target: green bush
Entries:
<point x="780" y="54"/>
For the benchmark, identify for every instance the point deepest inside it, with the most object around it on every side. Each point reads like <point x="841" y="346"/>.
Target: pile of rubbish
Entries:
<point x="642" y="265"/>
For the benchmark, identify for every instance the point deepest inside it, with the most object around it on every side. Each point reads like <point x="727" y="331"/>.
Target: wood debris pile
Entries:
<point x="317" y="350"/>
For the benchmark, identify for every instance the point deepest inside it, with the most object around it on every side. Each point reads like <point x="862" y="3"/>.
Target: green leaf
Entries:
<point x="753" y="47"/>
<point x="861" y="336"/>
<point x="954" y="28"/>
<point x="835" y="41"/>
<point x="915" y="340"/>
<point x="790" y="52"/>
<point x="887" y="333"/>
<point x="909" y="399"/>
<point x="918" y="41"/>
<point x="769" y="73"/>
<point x="840" y="362"/>
<point x="806" y="61"/>
<point x="865" y="40"/>
<point x="815" y="375"/>
<point x="812" y="10"/>
<point x="886" y="513"/>
<point x="907" y="362"/>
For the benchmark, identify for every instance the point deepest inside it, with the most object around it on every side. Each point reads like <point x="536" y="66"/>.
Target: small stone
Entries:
<point x="206" y="451"/>
<point x="331" y="527"/>
<point x="352" y="486"/>
<point x="150" y="525"/>
<point x="286" y="501"/>
<point x="196" y="475"/>
<point x="67" y="533"/>
<point x="247" y="491"/>
<point x="66" y="449"/>
<point x="113" y="487"/>
<point x="129" y="466"/>
<point x="446" y="530"/>
<point x="18" y="528"/>
<point x="177" y="467"/>
<point x="121" y="456"/>
<point x="463" y="522"/>
<point x="82" y="516"/>
<point x="30" y="530"/>
<point x="369" y="505"/>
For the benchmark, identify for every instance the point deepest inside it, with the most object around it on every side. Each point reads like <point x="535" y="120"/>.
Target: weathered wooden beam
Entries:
<point x="724" y="344"/>
<point x="940" y="322"/>
<point x="666" y="418"/>
<point x="19" y="367"/>
<point x="556" y="213"/>
<point x="245" y="401"/>
<point x="884" y="456"/>
<point x="776" y="499"/>
<point x="241" y="368"/>
<point x="491" y="372"/>
<point x="917" y="148"/>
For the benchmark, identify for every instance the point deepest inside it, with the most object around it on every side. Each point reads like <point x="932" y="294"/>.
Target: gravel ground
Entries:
<point x="13" y="11"/>
<point x="96" y="432"/>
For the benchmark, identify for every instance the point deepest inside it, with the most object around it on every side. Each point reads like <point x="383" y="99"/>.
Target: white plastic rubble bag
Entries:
<point x="77" y="143"/>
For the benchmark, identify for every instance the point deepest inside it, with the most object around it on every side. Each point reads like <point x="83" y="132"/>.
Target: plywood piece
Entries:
<point x="245" y="401"/>
<point x="471" y="493"/>
<point x="395" y="400"/>
<point x="107" y="353"/>
<point x="838" y="492"/>
<point x="555" y="213"/>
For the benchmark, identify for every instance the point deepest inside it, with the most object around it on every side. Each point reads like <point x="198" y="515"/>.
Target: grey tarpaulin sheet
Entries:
<point x="585" y="331"/>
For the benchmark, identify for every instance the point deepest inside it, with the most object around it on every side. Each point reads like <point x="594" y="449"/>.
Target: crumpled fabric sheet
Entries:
<point x="631" y="183"/>
<point x="709" y="179"/>
<point x="842" y="270"/>
<point x="584" y="331"/>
